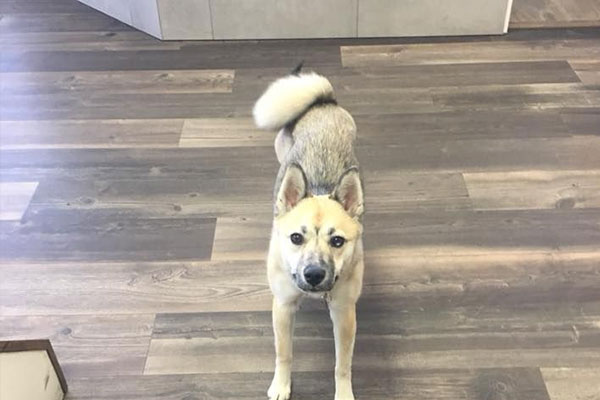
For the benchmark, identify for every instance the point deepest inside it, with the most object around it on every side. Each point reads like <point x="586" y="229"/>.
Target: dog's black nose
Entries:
<point x="314" y="274"/>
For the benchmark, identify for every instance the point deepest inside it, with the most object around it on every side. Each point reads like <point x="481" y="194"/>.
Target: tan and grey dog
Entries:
<point x="316" y="244"/>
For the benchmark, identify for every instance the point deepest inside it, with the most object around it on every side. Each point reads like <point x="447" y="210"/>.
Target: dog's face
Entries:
<point x="318" y="234"/>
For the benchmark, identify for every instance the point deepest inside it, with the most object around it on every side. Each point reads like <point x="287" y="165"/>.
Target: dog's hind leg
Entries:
<point x="283" y="143"/>
<point x="283" y="327"/>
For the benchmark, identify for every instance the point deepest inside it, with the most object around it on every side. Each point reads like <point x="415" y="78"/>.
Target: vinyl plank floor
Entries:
<point x="15" y="198"/>
<point x="584" y="121"/>
<point x="88" y="345"/>
<point x="132" y="287"/>
<point x="467" y="384"/>
<point x="572" y="383"/>
<point x="411" y="332"/>
<point x="110" y="133"/>
<point x="524" y="97"/>
<point x="502" y="229"/>
<point x="554" y="13"/>
<point x="588" y="71"/>
<point x="476" y="52"/>
<point x="534" y="189"/>
<point x="142" y="248"/>
<point x="419" y="128"/>
<point x="82" y="41"/>
<point x="408" y="76"/>
<point x="42" y="22"/>
<point x="579" y="153"/>
<point x="139" y="82"/>
<point x="104" y="235"/>
<point x="223" y="132"/>
<point x="410" y="279"/>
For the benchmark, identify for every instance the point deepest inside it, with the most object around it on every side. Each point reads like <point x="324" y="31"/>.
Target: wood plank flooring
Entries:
<point x="136" y="205"/>
<point x="554" y="13"/>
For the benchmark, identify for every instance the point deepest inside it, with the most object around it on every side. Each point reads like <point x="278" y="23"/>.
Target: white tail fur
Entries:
<point x="287" y="98"/>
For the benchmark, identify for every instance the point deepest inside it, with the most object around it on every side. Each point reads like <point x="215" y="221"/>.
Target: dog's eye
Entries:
<point x="297" y="239"/>
<point x="337" y="241"/>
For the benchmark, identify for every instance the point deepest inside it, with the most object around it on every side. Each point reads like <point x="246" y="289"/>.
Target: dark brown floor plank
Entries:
<point x="210" y="55"/>
<point x="504" y="229"/>
<point x="408" y="76"/>
<point x="42" y="6"/>
<point x="583" y="121"/>
<point x="19" y="42"/>
<point x="484" y="155"/>
<point x="86" y="346"/>
<point x="568" y="325"/>
<point x="251" y="350"/>
<point x="52" y="22"/>
<point x="104" y="235"/>
<point x="415" y="333"/>
<point x="458" y="125"/>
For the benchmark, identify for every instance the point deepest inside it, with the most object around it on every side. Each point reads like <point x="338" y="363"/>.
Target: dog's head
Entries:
<point x="318" y="235"/>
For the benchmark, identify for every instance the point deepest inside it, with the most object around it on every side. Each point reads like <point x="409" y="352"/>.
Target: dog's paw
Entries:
<point x="279" y="390"/>
<point x="344" y="396"/>
<point x="343" y="391"/>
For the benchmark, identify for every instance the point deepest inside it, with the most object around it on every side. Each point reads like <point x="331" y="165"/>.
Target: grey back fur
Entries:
<point x="323" y="147"/>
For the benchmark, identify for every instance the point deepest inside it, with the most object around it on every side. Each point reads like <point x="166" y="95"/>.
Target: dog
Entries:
<point x="316" y="245"/>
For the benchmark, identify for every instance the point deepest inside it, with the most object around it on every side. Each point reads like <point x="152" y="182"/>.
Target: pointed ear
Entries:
<point x="349" y="193"/>
<point x="293" y="189"/>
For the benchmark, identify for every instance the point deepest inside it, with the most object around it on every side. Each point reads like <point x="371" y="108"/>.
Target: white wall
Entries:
<point x="277" y="19"/>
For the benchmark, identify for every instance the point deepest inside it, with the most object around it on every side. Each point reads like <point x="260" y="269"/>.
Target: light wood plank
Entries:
<point x="534" y="189"/>
<point x="474" y="52"/>
<point x="242" y="238"/>
<point x="223" y="132"/>
<point x="572" y="383"/>
<point x="411" y="277"/>
<point x="587" y="70"/>
<point x="15" y="198"/>
<point x="98" y="134"/>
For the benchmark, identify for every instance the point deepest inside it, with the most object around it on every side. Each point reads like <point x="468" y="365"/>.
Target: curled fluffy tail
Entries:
<point x="287" y="98"/>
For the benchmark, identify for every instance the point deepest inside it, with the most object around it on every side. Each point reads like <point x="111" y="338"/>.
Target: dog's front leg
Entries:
<point x="283" y="328"/>
<point x="344" y="331"/>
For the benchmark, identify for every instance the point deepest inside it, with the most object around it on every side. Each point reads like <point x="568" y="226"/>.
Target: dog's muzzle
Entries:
<point x="315" y="278"/>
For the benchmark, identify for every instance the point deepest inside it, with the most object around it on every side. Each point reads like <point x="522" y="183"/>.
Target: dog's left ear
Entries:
<point x="349" y="193"/>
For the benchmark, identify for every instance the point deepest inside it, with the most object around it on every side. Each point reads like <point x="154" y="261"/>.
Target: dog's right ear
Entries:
<point x="294" y="188"/>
